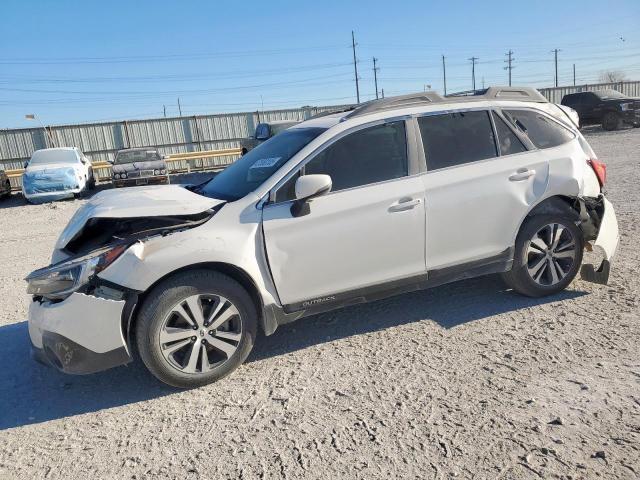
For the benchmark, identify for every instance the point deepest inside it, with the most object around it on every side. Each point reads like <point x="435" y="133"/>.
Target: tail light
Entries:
<point x="600" y="170"/>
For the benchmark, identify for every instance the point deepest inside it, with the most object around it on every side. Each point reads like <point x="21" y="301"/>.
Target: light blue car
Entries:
<point x="56" y="173"/>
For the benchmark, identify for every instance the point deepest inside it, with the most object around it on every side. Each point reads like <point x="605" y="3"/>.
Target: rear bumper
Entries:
<point x="606" y="243"/>
<point x="81" y="334"/>
<point x="51" y="196"/>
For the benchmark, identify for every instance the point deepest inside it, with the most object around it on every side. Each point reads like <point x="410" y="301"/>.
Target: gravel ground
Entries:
<point x="466" y="380"/>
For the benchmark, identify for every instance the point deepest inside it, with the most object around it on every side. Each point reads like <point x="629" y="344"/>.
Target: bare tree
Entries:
<point x="612" y="76"/>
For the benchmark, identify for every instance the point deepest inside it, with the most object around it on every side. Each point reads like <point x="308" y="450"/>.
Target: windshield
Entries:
<point x="137" y="156"/>
<point x="46" y="157"/>
<point x="252" y="169"/>
<point x="609" y="94"/>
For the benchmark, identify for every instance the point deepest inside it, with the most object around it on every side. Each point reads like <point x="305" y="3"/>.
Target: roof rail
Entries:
<point x="525" y="94"/>
<point x="411" y="100"/>
<point x="342" y="109"/>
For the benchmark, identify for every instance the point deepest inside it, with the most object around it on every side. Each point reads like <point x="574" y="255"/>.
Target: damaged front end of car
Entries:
<point x="77" y="320"/>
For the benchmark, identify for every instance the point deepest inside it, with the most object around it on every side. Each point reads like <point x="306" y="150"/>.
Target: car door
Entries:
<point x="475" y="196"/>
<point x="369" y="230"/>
<point x="592" y="107"/>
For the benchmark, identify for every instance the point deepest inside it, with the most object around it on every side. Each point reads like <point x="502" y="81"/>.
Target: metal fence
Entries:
<point x="100" y="141"/>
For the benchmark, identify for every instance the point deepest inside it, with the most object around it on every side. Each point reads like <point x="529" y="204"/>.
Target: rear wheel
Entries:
<point x="195" y="328"/>
<point x="611" y="121"/>
<point x="547" y="256"/>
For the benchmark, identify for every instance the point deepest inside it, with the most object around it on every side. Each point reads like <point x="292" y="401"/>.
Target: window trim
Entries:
<point x="526" y="143"/>
<point x="545" y="114"/>
<point x="458" y="110"/>
<point x="412" y="157"/>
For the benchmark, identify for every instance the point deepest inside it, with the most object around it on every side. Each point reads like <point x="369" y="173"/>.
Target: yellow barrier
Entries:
<point x="170" y="159"/>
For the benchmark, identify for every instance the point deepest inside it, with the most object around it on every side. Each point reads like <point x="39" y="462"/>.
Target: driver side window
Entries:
<point x="370" y="155"/>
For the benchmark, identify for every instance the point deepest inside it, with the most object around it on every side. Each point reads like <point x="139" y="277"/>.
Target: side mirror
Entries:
<point x="26" y="164"/>
<point x="307" y="188"/>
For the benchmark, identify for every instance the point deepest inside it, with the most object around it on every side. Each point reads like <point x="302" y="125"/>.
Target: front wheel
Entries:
<point x="195" y="328"/>
<point x="547" y="257"/>
<point x="611" y="121"/>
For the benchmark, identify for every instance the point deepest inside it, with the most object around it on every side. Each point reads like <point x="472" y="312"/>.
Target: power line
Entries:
<point x="473" y="70"/>
<point x="375" y="75"/>
<point x="444" y="75"/>
<point x="509" y="61"/>
<point x="355" y="65"/>
<point x="555" y="54"/>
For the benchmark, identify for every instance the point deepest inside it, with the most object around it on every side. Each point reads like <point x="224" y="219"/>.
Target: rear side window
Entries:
<point x="508" y="141"/>
<point x="367" y="156"/>
<point x="457" y="138"/>
<point x="541" y="130"/>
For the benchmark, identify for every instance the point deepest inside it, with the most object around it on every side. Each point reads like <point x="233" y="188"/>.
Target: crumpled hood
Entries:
<point x="150" y="201"/>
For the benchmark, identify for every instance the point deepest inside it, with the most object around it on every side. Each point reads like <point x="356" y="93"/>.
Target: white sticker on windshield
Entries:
<point x="266" y="162"/>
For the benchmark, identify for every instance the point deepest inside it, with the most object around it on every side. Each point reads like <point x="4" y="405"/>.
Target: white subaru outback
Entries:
<point x="394" y="195"/>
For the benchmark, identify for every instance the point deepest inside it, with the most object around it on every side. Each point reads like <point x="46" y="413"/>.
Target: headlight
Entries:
<point x="163" y="171"/>
<point x="60" y="280"/>
<point x="116" y="176"/>
<point x="156" y="172"/>
<point x="123" y="175"/>
<point x="625" y="106"/>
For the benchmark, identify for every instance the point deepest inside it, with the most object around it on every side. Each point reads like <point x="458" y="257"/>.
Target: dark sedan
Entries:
<point x="5" y="185"/>
<point x="139" y="166"/>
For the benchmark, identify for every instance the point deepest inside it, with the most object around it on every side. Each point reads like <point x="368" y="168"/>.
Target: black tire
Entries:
<point x="611" y="121"/>
<point x="519" y="277"/>
<point x="7" y="193"/>
<point x="158" y="306"/>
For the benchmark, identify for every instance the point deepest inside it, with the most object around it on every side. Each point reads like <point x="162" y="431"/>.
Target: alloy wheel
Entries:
<point x="200" y="332"/>
<point x="551" y="254"/>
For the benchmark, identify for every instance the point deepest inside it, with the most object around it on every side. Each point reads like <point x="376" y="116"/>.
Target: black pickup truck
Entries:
<point x="609" y="108"/>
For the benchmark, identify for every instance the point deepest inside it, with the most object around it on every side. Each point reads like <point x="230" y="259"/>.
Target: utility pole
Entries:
<point x="164" y="110"/>
<point x="375" y="75"/>
<point x="444" y="75"/>
<point x="574" y="74"/>
<point x="179" y="107"/>
<point x="555" y="53"/>
<point x="473" y="70"/>
<point x="509" y="61"/>
<point x="382" y="93"/>
<point x="355" y="65"/>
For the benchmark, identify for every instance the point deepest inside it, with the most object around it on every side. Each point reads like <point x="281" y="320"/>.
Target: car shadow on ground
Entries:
<point x="448" y="305"/>
<point x="33" y="393"/>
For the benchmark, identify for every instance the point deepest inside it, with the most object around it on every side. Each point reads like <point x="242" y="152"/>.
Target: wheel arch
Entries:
<point x="550" y="205"/>
<point x="232" y="271"/>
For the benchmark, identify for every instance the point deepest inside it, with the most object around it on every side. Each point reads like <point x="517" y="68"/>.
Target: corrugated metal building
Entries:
<point x="100" y="141"/>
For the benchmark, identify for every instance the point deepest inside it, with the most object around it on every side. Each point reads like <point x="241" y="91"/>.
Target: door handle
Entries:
<point x="404" y="204"/>
<point x="522" y="174"/>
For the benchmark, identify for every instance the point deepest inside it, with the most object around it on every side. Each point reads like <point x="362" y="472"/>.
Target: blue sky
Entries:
<point x="75" y="61"/>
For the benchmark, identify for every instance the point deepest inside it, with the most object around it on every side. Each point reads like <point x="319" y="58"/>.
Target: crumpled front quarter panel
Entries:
<point x="232" y="236"/>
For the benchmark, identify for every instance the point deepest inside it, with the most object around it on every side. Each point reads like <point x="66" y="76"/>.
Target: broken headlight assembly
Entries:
<point x="62" y="279"/>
